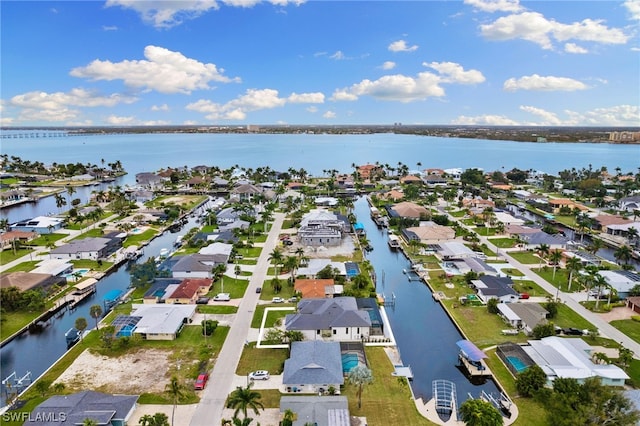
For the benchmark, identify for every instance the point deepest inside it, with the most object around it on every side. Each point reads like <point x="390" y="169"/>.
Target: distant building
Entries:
<point x="624" y="136"/>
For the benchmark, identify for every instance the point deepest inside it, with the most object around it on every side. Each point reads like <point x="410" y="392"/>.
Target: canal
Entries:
<point x="425" y="335"/>
<point x="35" y="352"/>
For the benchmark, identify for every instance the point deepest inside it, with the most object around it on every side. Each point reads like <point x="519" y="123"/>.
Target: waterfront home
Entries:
<point x="189" y="290"/>
<point x="449" y="250"/>
<point x="317" y="410"/>
<point x="558" y="203"/>
<point x="623" y="229"/>
<point x="629" y="204"/>
<point x="197" y="182"/>
<point x="326" y="201"/>
<point x="454" y="173"/>
<point x="602" y="221"/>
<point x="219" y="183"/>
<point x="523" y="316"/>
<point x="408" y="209"/>
<point x="435" y="180"/>
<point x="478" y="203"/>
<point x="24" y="281"/>
<point x="93" y="248"/>
<point x="229" y="215"/>
<point x="12" y="195"/>
<point x="429" y="233"/>
<point x="150" y="181"/>
<point x="370" y="171"/>
<point x="571" y="358"/>
<point x="621" y="281"/>
<point x="322" y="228"/>
<point x="56" y="267"/>
<point x="492" y="287"/>
<point x="337" y="319"/>
<point x="290" y="196"/>
<point x="411" y="180"/>
<point x="554" y="241"/>
<point x="221" y="251"/>
<point x="40" y="224"/>
<point x="141" y="196"/>
<point x="314" y="266"/>
<point x="507" y="219"/>
<point x="246" y="192"/>
<point x="160" y="289"/>
<point x="77" y="408"/>
<point x="154" y="322"/>
<point x="315" y="288"/>
<point x="197" y="265"/>
<point x="313" y="367"/>
<point x="392" y="195"/>
<point x="8" y="239"/>
<point x="468" y="264"/>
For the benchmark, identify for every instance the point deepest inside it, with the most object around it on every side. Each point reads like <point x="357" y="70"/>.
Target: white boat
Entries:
<point x="164" y="252"/>
<point x="394" y="241"/>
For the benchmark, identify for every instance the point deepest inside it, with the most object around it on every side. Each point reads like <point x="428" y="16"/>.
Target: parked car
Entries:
<point x="201" y="382"/>
<point x="258" y="289"/>
<point x="259" y="375"/>
<point x="524" y="295"/>
<point x="572" y="331"/>
<point x="293" y="299"/>
<point x="202" y="301"/>
<point x="277" y="300"/>
<point x="222" y="297"/>
<point x="287" y="242"/>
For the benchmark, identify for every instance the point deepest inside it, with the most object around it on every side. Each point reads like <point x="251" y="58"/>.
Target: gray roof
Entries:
<point x="531" y="314"/>
<point x="495" y="286"/>
<point x="324" y="314"/>
<point x="313" y="363"/>
<point x="197" y="262"/>
<point x="82" y="246"/>
<point x="544" y="238"/>
<point x="319" y="410"/>
<point x="75" y="408"/>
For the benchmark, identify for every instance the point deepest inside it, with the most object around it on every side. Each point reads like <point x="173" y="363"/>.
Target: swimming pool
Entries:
<point x="349" y="361"/>
<point x="76" y="273"/>
<point x="517" y="363"/>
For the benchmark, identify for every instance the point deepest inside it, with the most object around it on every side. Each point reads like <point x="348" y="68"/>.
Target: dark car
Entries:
<point x="287" y="242"/>
<point x="572" y="332"/>
<point x="258" y="289"/>
<point x="202" y="301"/>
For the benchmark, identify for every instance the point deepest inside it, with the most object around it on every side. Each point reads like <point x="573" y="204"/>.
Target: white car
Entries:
<point x="259" y="375"/>
<point x="222" y="297"/>
<point x="277" y="300"/>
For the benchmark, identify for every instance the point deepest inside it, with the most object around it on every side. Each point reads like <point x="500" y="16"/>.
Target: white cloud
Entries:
<point x="495" y="5"/>
<point x="241" y="3"/>
<point x="633" y="6"/>
<point x="163" y="107"/>
<point x="75" y="97"/>
<point x="236" y="109"/>
<point x="574" y="48"/>
<point x="338" y="56"/>
<point x="401" y="46"/>
<point x="312" y="109"/>
<point x="388" y="65"/>
<point x="164" y="71"/>
<point x="306" y="98"/>
<point x="286" y="2"/>
<point x="404" y="88"/>
<point x="619" y="115"/>
<point x="548" y="118"/>
<point x="329" y="114"/>
<point x="534" y="27"/>
<point x="109" y="28"/>
<point x="166" y="14"/>
<point x="543" y="83"/>
<point x="490" y="120"/>
<point x="451" y="72"/>
<point x="120" y="121"/>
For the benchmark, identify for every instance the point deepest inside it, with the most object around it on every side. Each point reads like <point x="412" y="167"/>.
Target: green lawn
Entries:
<point x="503" y="242"/>
<point x="14" y="321"/>
<point x="629" y="327"/>
<point x="8" y="255"/>
<point x="525" y="257"/>
<point x="529" y="287"/>
<point x="560" y="280"/>
<point x="567" y="317"/>
<point x="513" y="272"/>
<point x="268" y="359"/>
<point x="268" y="293"/>
<point x="95" y="232"/>
<point x="235" y="288"/>
<point x="23" y="267"/>
<point x="216" y="309"/>
<point x="91" y="264"/>
<point x="43" y="240"/>
<point x="137" y="239"/>
<point x="387" y="400"/>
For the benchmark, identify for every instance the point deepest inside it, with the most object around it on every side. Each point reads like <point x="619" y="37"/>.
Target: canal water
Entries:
<point x="34" y="352"/>
<point x="425" y="335"/>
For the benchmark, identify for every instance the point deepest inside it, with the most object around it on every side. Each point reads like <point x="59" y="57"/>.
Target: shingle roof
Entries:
<point x="324" y="314"/>
<point x="313" y="362"/>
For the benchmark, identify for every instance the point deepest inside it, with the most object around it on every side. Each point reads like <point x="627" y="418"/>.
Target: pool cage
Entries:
<point x="445" y="396"/>
<point x="125" y="325"/>
<point x="514" y="357"/>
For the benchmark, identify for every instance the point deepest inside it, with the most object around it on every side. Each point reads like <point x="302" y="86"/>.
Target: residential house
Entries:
<point x="246" y="192"/>
<point x="411" y="180"/>
<point x="624" y="229"/>
<point x="29" y="280"/>
<point x="93" y="248"/>
<point x="195" y="266"/>
<point x="315" y="265"/>
<point x="507" y="219"/>
<point x="219" y="183"/>
<point x="197" y="182"/>
<point x="314" y="288"/>
<point x="40" y="224"/>
<point x="554" y="241"/>
<point x="57" y="267"/>
<point x="621" y="281"/>
<point x="429" y="233"/>
<point x="227" y="216"/>
<point x="450" y="250"/>
<point x="8" y="239"/>
<point x="337" y="319"/>
<point x="435" y="180"/>
<point x="571" y="358"/>
<point x="313" y="367"/>
<point x="602" y="221"/>
<point x="523" y="316"/>
<point x="629" y="204"/>
<point x="189" y="290"/>
<point x="76" y="408"/>
<point x="370" y="171"/>
<point x="408" y="209"/>
<point x="322" y="228"/>
<point x="141" y="196"/>
<point x="317" y="410"/>
<point x="160" y="290"/>
<point x="493" y="287"/>
<point x="392" y="195"/>
<point x="161" y="322"/>
<point x="326" y="201"/>
<point x="478" y="203"/>
<point x="149" y="180"/>
<point x="558" y="203"/>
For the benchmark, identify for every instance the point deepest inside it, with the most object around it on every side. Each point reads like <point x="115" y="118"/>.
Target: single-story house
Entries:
<point x="558" y="203"/>
<point x="492" y="287"/>
<point x="28" y="280"/>
<point x="87" y="248"/>
<point x="326" y="201"/>
<point x="621" y="281"/>
<point x="571" y="358"/>
<point x="40" y="224"/>
<point x="337" y="319"/>
<point x="448" y="250"/>
<point x="392" y="195"/>
<point x="223" y="250"/>
<point x="155" y="322"/>
<point x="74" y="409"/>
<point x="313" y="367"/>
<point x="7" y="239"/>
<point x="554" y="241"/>
<point x="160" y="289"/>
<point x="407" y="209"/>
<point x="314" y="266"/>
<point x="53" y="267"/>
<point x="189" y="290"/>
<point x="314" y="289"/>
<point x="317" y="410"/>
<point x="149" y="180"/>
<point x="633" y="303"/>
<point x="468" y="264"/>
<point x="507" y="219"/>
<point x="429" y="233"/>
<point x="411" y="179"/>
<point x="629" y="204"/>
<point x="195" y="266"/>
<point x="524" y="316"/>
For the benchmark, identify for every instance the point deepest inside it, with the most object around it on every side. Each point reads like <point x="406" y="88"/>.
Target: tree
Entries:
<point x="89" y="422"/>
<point x="42" y="386"/>
<point x="530" y="380"/>
<point x="360" y="376"/>
<point x="573" y="265"/>
<point x="543" y="330"/>
<point x="543" y="251"/>
<point x="492" y="305"/>
<point x="209" y="327"/>
<point x="244" y="398"/>
<point x="276" y="257"/>
<point x="95" y="312"/>
<point x="158" y="419"/>
<point x="476" y="412"/>
<point x="623" y="254"/>
<point x="81" y="325"/>
<point x="175" y="390"/>
<point x="107" y="336"/>
<point x="555" y="257"/>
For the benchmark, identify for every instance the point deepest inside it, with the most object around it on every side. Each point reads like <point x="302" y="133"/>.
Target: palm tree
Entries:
<point x="360" y="376"/>
<point x="543" y="250"/>
<point x="573" y="265"/>
<point x="291" y="263"/>
<point x="623" y="253"/>
<point x="175" y="390"/>
<point x="95" y="312"/>
<point x="60" y="201"/>
<point x="158" y="419"/>
<point x="244" y="398"/>
<point x="554" y="257"/>
<point x="600" y="282"/>
<point x="81" y="325"/>
<point x="595" y="245"/>
<point x="276" y="257"/>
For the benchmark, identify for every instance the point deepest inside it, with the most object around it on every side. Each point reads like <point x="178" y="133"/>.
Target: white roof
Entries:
<point x="625" y="226"/>
<point x="316" y="265"/>
<point x="507" y="312"/>
<point x="41" y="222"/>
<point x="52" y="266"/>
<point x="217" y="248"/>
<point x="455" y="249"/>
<point x="507" y="218"/>
<point x="161" y="319"/>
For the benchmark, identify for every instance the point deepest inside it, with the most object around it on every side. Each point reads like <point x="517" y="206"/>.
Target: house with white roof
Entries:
<point x="40" y="224"/>
<point x="621" y="281"/>
<point x="571" y="358"/>
<point x="155" y="321"/>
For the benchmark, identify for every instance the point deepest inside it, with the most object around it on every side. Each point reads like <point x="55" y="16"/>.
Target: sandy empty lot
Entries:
<point x="135" y="373"/>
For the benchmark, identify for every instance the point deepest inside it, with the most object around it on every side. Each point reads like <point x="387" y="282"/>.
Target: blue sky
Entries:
<point x="205" y="62"/>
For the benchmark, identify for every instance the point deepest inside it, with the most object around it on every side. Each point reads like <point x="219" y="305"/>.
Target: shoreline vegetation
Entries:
<point x="539" y="134"/>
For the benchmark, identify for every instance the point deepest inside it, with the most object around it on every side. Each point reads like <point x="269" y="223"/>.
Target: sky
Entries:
<point x="240" y="62"/>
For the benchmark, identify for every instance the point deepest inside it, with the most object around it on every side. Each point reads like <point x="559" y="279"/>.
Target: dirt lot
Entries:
<point x="135" y="373"/>
<point x="179" y="200"/>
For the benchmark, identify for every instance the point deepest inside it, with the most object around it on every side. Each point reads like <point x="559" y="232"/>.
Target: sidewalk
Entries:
<point x="223" y="378"/>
